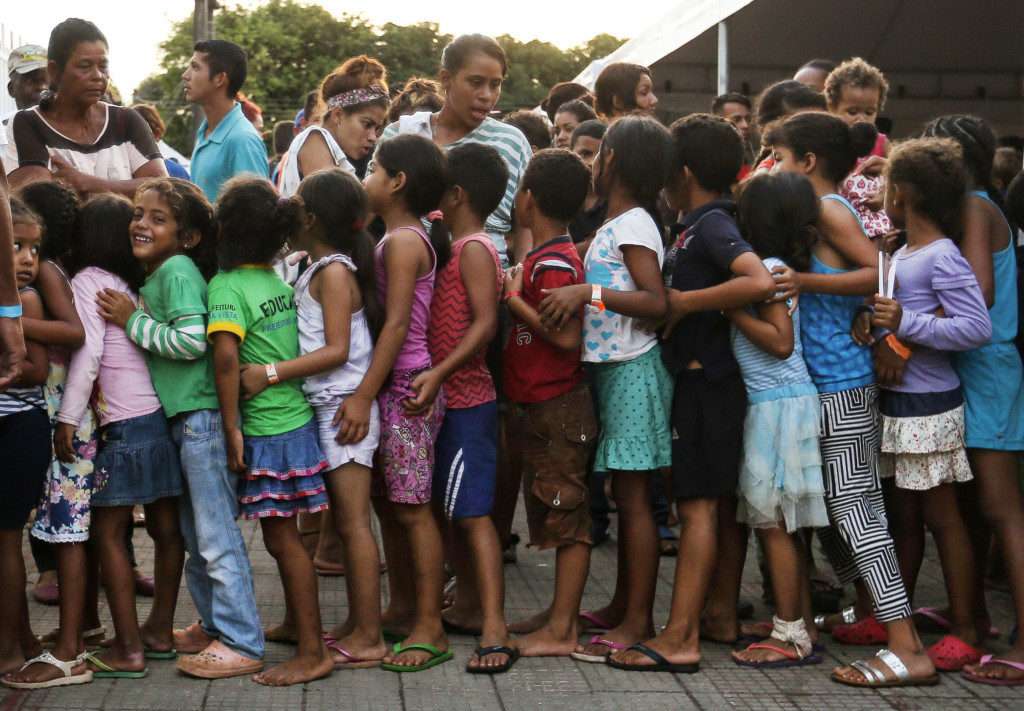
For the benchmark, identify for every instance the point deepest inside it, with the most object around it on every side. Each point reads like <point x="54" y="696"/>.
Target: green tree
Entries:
<point x="410" y="50"/>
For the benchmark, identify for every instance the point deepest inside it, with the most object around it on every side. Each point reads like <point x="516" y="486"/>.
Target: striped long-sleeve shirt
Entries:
<point x="184" y="338"/>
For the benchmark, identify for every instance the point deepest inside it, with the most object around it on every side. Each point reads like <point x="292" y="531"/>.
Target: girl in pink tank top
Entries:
<point x="404" y="184"/>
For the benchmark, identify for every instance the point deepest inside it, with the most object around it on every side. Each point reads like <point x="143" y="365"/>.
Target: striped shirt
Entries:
<point x="15" y="400"/>
<point x="510" y="143"/>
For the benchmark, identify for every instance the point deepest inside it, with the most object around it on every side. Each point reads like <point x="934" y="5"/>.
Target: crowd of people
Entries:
<point x="769" y="315"/>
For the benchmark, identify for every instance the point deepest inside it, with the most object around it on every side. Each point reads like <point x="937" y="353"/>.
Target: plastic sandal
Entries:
<point x="65" y="667"/>
<point x="353" y="662"/>
<point x="866" y="632"/>
<point x="481" y="652"/>
<point x="875" y="678"/>
<point x="598" y="658"/>
<point x="437" y="657"/>
<point x="932" y="613"/>
<point x="660" y="663"/>
<point x="153" y="654"/>
<point x="953" y="654"/>
<point x="596" y="623"/>
<point x="108" y="672"/>
<point x="989" y="659"/>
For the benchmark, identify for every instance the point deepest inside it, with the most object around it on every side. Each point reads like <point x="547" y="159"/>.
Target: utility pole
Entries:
<point x="202" y="29"/>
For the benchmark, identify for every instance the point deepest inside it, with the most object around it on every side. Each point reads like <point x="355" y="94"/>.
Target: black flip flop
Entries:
<point x="452" y="628"/>
<point x="660" y="663"/>
<point x="481" y="652"/>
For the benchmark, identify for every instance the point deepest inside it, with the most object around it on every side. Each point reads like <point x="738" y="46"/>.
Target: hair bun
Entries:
<point x="863" y="136"/>
<point x="287" y="214"/>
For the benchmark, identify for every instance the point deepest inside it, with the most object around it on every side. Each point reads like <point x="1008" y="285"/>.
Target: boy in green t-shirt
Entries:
<point x="172" y="221"/>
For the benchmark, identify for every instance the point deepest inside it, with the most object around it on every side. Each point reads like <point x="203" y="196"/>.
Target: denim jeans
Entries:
<point x="217" y="570"/>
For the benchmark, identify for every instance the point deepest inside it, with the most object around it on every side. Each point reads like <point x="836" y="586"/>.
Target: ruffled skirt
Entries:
<point x="925" y="452"/>
<point x="283" y="476"/>
<point x="781" y="477"/>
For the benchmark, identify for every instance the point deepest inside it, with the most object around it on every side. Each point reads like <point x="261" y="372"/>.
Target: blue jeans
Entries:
<point x="217" y="570"/>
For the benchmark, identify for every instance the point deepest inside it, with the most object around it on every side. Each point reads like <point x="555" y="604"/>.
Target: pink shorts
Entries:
<point x="404" y="467"/>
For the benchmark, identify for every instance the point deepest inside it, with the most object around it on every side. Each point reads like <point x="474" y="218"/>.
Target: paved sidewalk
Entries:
<point x="533" y="683"/>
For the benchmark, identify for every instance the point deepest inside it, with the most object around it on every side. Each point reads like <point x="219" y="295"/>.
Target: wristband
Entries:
<point x="595" y="298"/>
<point x="272" y="377"/>
<point x="898" y="348"/>
<point x="510" y="294"/>
<point x="10" y="311"/>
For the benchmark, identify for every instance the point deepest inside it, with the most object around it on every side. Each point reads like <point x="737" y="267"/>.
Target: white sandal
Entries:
<point x="65" y="667"/>
<point x="875" y="678"/>
<point x="100" y="631"/>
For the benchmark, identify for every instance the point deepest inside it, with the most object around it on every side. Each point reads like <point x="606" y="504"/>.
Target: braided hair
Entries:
<point x="977" y="145"/>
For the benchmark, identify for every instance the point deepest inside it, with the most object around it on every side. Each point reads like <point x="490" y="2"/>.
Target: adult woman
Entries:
<point x="472" y="70"/>
<point x="73" y="135"/>
<point x="622" y="88"/>
<point x="356" y="99"/>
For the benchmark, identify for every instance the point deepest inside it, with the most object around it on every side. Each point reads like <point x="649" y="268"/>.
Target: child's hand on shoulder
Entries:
<point x="116" y="307"/>
<point x="426" y="385"/>
<point x="787" y="283"/>
<point x="63" y="447"/>
<point x="252" y="380"/>
<point x="888" y="313"/>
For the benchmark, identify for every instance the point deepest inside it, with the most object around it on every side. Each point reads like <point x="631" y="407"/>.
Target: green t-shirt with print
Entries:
<point x="174" y="297"/>
<point x="254" y="304"/>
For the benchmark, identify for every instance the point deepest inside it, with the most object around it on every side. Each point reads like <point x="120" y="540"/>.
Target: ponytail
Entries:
<point x="254" y="222"/>
<point x="440" y="240"/>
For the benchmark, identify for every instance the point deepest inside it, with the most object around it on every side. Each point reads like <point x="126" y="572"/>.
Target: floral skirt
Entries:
<point x="926" y="451"/>
<point x="64" y="510"/>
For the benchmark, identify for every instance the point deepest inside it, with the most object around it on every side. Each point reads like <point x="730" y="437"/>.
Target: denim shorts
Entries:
<point x="136" y="462"/>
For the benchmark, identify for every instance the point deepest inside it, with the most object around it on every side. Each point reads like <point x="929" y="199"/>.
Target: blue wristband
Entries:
<point x="10" y="311"/>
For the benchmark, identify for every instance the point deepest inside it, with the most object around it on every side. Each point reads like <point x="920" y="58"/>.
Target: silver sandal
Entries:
<point x="849" y="617"/>
<point x="875" y="678"/>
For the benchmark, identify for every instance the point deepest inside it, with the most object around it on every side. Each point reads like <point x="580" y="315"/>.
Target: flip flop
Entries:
<point x="65" y="667"/>
<point x="481" y="652"/>
<point x="953" y="654"/>
<point x="438" y="657"/>
<point x="866" y="632"/>
<point x="769" y="627"/>
<point x="353" y="662"/>
<point x="108" y="672"/>
<point x="153" y="654"/>
<point x="596" y="623"/>
<point x="875" y="678"/>
<point x="660" y="663"/>
<point x="453" y="628"/>
<point x="986" y="661"/>
<point x="598" y="658"/>
<point x="932" y="613"/>
<point x="792" y="659"/>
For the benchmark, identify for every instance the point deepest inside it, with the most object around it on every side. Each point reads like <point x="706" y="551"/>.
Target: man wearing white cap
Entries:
<point x="26" y="66"/>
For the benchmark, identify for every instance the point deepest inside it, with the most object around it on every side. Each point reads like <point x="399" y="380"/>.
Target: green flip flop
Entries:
<point x="153" y="654"/>
<point x="108" y="672"/>
<point x="438" y="657"/>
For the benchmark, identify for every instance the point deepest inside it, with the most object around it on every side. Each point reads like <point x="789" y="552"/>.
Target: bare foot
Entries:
<point x="156" y="641"/>
<point x="759" y="656"/>
<point x="400" y="622"/>
<point x="674" y="654"/>
<point x="283" y="633"/>
<point x="494" y="659"/>
<point x="416" y="657"/>
<point x="917" y="663"/>
<point x="533" y="623"/>
<point x="297" y="670"/>
<point x="620" y="636"/>
<point x="607" y="614"/>
<point x="11" y="663"/>
<point x="995" y="671"/>
<point x="114" y="659"/>
<point x="720" y="630"/>
<point x="546" y="642"/>
<point x="357" y="649"/>
<point x="39" y="672"/>
<point x="467" y="619"/>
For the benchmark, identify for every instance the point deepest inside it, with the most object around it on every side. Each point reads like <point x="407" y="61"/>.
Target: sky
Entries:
<point x="135" y="30"/>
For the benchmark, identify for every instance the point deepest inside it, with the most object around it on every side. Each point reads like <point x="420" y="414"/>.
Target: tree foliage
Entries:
<point x="292" y="45"/>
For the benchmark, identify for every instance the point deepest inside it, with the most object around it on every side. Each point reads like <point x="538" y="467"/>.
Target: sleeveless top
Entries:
<point x="450" y="318"/>
<point x="334" y="385"/>
<point x="20" y="399"/>
<point x="1003" y="313"/>
<point x="765" y="376"/>
<point x="414" y="354"/>
<point x="834" y="361"/>
<point x="290" y="176"/>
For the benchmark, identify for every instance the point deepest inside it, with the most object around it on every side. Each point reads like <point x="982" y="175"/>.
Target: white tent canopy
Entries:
<point x="938" y="56"/>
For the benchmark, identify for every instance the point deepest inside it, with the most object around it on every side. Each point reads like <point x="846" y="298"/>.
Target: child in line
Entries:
<point x="993" y="387"/>
<point x="780" y="488"/>
<point x="463" y="320"/>
<point x="624" y="287"/>
<point x="551" y="425"/>
<point x="276" y="451"/>
<point x="338" y="318"/>
<point x="844" y="269"/>
<point x="136" y="460"/>
<point x="856" y="91"/>
<point x="25" y="442"/>
<point x="709" y="268"/>
<point x="405" y="184"/>
<point x="586" y="143"/>
<point x="567" y="117"/>
<point x="923" y="420"/>
<point x="173" y="240"/>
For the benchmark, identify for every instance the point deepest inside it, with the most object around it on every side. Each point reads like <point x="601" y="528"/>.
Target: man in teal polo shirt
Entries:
<point x="226" y="143"/>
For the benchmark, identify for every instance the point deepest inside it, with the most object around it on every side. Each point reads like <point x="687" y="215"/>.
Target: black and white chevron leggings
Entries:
<point x="858" y="543"/>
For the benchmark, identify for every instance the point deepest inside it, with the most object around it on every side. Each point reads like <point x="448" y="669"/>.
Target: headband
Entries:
<point x="362" y="95"/>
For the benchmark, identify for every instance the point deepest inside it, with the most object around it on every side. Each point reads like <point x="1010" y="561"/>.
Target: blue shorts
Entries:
<point x="466" y="460"/>
<point x="993" y="384"/>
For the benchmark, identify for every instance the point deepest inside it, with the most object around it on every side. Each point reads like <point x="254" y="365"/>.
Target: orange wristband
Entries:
<point x="901" y="350"/>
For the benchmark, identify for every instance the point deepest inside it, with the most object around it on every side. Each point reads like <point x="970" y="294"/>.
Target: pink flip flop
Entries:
<point x="598" y="658"/>
<point x="932" y="613"/>
<point x="985" y="661"/>
<point x="353" y="662"/>
<point x="953" y="654"/>
<point x="596" y="623"/>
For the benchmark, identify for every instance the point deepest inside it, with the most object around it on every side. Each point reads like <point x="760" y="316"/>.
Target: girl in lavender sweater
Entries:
<point x="930" y="305"/>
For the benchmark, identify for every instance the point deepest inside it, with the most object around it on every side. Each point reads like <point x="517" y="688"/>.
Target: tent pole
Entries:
<point x="723" y="58"/>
